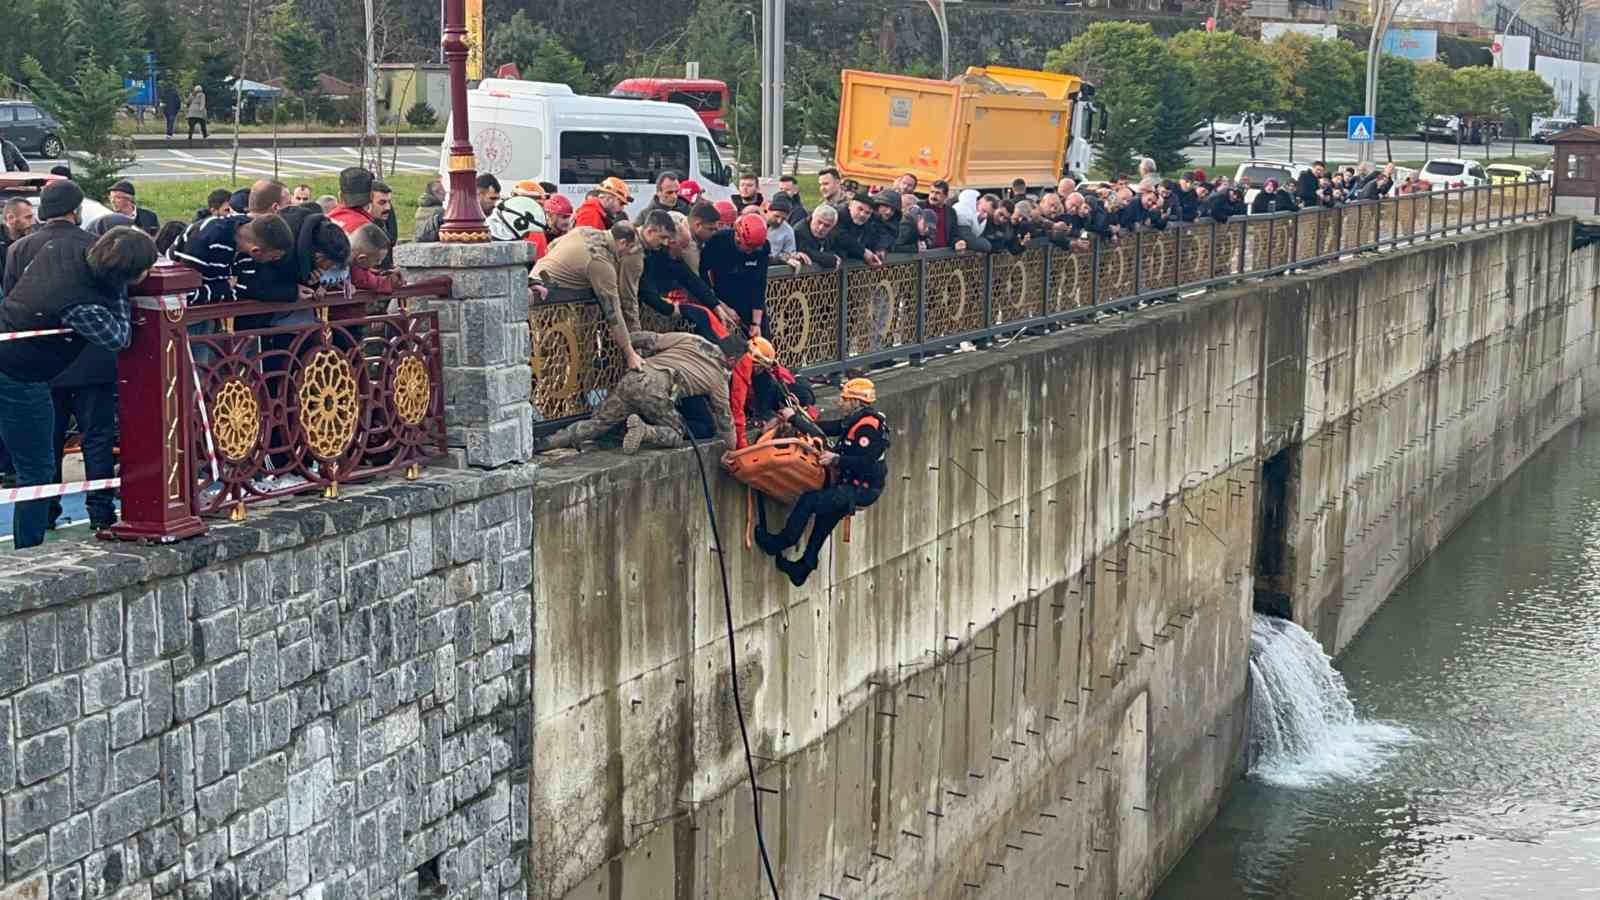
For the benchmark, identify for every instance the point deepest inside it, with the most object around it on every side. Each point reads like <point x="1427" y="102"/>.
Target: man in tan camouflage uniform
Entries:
<point x="604" y="266"/>
<point x="677" y="365"/>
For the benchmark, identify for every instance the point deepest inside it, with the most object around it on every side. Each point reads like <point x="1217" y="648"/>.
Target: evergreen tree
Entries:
<point x="538" y="54"/>
<point x="111" y="31"/>
<point x="87" y="109"/>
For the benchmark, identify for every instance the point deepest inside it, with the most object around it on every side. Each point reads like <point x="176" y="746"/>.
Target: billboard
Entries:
<point x="1515" y="52"/>
<point x="1419" y="44"/>
<point x="1274" y="30"/>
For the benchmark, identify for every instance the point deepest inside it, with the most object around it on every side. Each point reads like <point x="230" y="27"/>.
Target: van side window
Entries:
<point x="711" y="167"/>
<point x="699" y="101"/>
<point x="588" y="157"/>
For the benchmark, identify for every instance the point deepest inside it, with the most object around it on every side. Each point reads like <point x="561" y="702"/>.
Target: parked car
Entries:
<point x="1442" y="128"/>
<point x="29" y="184"/>
<point x="30" y="128"/>
<point x="1506" y="173"/>
<point x="1259" y="170"/>
<point x="1454" y="173"/>
<point x="1544" y="129"/>
<point x="1234" y="133"/>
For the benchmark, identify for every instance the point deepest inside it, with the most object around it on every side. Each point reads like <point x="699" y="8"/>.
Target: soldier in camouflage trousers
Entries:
<point x="676" y="366"/>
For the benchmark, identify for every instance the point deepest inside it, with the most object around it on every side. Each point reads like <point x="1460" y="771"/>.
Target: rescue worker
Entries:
<point x="605" y="205"/>
<point x="773" y="387"/>
<point x="587" y="264"/>
<point x="676" y="366"/>
<point x="669" y="285"/>
<point x="856" y="480"/>
<point x="735" y="264"/>
<point x="558" y="216"/>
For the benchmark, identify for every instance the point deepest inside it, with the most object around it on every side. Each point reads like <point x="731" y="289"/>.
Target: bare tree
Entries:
<point x="1567" y="13"/>
<point x="238" y="85"/>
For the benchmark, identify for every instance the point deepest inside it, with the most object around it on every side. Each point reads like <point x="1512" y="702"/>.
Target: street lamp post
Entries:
<point x="463" y="218"/>
<point x="1385" y="12"/>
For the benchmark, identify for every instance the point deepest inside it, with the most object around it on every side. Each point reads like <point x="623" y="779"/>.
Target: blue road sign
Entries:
<point x="1360" y="128"/>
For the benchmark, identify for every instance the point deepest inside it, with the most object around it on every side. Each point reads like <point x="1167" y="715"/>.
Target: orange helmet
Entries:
<point x="618" y="188"/>
<point x="528" y="187"/>
<point x="859" y="389"/>
<point x="763" y="353"/>
<point x="750" y="232"/>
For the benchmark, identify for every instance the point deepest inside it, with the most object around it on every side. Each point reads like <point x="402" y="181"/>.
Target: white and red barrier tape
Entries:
<point x="43" y="332"/>
<point x="41" y="491"/>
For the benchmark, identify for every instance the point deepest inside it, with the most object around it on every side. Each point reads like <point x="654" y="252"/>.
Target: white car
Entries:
<point x="1454" y="173"/>
<point x="1236" y="133"/>
<point x="1258" y="171"/>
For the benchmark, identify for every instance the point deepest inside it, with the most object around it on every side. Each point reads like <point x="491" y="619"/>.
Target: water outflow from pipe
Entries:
<point x="1303" y="728"/>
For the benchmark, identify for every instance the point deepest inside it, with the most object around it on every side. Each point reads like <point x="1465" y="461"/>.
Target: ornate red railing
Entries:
<point x="222" y="406"/>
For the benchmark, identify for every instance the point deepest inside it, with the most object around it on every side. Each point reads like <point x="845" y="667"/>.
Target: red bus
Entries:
<point x="706" y="96"/>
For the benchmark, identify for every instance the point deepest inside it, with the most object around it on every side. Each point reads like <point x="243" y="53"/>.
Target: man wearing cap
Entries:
<point x="120" y="199"/>
<point x="665" y="198"/>
<point x="675" y="367"/>
<point x="889" y="232"/>
<point x="780" y="234"/>
<point x="80" y="283"/>
<point x="855" y="223"/>
<point x="356" y="187"/>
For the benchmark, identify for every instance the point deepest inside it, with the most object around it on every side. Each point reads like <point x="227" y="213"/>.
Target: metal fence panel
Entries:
<point x="1019" y="288"/>
<point x="1071" y="272"/>
<point x="804" y="312"/>
<point x="954" y="296"/>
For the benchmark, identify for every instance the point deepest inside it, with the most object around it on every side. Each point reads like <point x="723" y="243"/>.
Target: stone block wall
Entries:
<point x="326" y="701"/>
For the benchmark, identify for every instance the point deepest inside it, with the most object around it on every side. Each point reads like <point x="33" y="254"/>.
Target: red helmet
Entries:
<point x="558" y="205"/>
<point x="726" y="211"/>
<point x="750" y="232"/>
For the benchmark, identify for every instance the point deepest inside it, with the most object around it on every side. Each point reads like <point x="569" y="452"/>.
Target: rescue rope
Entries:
<point x="733" y="663"/>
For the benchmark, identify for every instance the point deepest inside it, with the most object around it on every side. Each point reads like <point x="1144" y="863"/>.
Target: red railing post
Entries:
<point x="155" y="401"/>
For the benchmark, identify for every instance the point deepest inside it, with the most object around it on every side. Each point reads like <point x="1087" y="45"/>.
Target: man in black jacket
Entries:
<point x="121" y="200"/>
<point x="822" y="242"/>
<point x="11" y="159"/>
<point x="1308" y="184"/>
<point x="1272" y="199"/>
<point x="665" y="272"/>
<point x="60" y="276"/>
<point x="665" y="199"/>
<point x="889" y="232"/>
<point x="855" y="222"/>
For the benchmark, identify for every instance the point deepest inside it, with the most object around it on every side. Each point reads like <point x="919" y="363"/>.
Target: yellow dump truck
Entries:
<point x="982" y="129"/>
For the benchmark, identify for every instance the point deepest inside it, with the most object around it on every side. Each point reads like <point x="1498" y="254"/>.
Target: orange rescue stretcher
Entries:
<point x="782" y="468"/>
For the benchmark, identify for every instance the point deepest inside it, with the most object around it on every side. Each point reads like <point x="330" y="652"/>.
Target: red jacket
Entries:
<point x="592" y="214"/>
<point x="351" y="218"/>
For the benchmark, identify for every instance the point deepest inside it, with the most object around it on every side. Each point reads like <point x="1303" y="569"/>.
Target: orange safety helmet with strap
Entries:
<point x="750" y="232"/>
<point x="861" y="389"/>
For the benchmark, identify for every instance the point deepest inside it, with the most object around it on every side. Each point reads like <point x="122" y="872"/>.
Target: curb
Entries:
<point x="159" y="141"/>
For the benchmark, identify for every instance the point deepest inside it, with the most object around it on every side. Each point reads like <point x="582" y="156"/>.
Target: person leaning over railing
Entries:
<point x="60" y="277"/>
<point x="666" y="272"/>
<point x="855" y="220"/>
<point x="585" y="264"/>
<point x="820" y="241"/>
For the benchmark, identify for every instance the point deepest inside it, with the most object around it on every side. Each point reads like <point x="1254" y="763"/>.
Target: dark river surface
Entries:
<point x="1473" y="767"/>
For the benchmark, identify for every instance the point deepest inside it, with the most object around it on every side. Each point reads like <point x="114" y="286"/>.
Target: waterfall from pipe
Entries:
<point x="1303" y="728"/>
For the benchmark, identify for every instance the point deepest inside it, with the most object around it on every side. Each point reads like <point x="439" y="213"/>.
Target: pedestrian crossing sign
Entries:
<point x="1360" y="128"/>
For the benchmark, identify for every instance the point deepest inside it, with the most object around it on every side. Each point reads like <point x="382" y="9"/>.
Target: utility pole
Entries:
<point x="772" y="38"/>
<point x="1384" y="14"/>
<point x="371" y="132"/>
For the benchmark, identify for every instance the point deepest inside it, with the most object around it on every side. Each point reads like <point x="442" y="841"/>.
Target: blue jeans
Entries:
<point x="27" y="423"/>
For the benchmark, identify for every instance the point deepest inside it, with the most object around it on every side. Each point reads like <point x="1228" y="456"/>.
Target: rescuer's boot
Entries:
<point x="637" y="432"/>
<point x="798" y="570"/>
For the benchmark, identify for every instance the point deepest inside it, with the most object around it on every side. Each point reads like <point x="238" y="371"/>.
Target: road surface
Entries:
<point x="255" y="162"/>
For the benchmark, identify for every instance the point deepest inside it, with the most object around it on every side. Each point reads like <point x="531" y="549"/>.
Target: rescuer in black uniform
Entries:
<point x="861" y="438"/>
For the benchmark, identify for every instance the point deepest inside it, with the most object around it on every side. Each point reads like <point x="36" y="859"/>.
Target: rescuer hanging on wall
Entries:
<point x="857" y="474"/>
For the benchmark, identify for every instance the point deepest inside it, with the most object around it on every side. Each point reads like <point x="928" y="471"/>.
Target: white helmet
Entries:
<point x="514" y="218"/>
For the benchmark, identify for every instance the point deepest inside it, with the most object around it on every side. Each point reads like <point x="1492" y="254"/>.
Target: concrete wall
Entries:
<point x="327" y="701"/>
<point x="1028" y="668"/>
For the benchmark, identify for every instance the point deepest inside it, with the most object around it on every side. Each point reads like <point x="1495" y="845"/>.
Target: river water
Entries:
<point x="1472" y="769"/>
